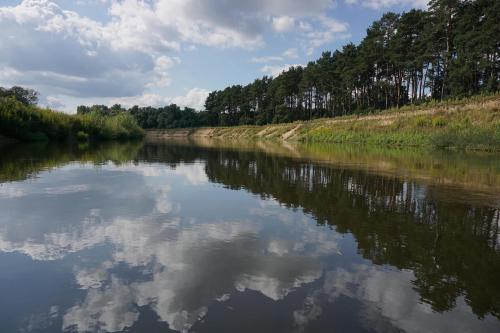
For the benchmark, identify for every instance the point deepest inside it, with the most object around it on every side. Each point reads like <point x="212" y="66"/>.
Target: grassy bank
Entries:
<point x="472" y="123"/>
<point x="31" y="123"/>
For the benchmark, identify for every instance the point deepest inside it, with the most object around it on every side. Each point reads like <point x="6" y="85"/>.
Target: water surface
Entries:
<point x="211" y="237"/>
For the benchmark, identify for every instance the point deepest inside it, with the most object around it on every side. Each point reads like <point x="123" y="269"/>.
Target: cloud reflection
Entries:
<point x="182" y="264"/>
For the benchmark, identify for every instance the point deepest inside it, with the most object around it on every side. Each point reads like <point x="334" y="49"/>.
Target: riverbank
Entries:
<point x="32" y="123"/>
<point x="472" y="124"/>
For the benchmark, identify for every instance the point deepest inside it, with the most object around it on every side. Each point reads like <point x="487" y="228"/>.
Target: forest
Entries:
<point x="449" y="51"/>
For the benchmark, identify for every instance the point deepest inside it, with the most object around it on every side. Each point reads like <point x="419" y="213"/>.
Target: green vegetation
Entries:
<point x="171" y="116"/>
<point x="473" y="127"/>
<point x="418" y="57"/>
<point x="28" y="122"/>
<point x="472" y="123"/>
<point x="449" y="51"/>
<point x="426" y="61"/>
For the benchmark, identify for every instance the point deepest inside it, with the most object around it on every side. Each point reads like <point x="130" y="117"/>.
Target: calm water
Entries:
<point x="256" y="238"/>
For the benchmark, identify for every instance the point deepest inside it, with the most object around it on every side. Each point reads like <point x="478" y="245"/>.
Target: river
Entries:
<point x="202" y="236"/>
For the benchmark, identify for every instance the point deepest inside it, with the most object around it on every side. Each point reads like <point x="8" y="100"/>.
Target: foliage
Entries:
<point x="417" y="57"/>
<point x="472" y="124"/>
<point x="171" y="116"/>
<point x="31" y="123"/>
<point x="23" y="95"/>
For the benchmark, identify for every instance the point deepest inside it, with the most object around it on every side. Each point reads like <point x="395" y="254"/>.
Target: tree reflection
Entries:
<point x="452" y="247"/>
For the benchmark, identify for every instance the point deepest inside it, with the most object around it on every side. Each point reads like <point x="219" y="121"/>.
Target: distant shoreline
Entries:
<point x="472" y="124"/>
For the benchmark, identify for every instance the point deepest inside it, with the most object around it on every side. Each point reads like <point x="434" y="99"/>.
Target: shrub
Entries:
<point x="31" y="123"/>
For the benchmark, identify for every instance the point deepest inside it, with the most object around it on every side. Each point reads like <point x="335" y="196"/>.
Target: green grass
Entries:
<point x="471" y="124"/>
<point x="437" y="132"/>
<point x="31" y="123"/>
<point x="474" y="125"/>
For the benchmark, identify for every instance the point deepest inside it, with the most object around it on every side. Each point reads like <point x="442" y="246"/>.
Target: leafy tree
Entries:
<point x="23" y="95"/>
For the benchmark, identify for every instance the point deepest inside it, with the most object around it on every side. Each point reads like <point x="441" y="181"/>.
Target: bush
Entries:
<point x="31" y="123"/>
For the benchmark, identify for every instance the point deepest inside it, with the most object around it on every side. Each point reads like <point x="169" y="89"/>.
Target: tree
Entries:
<point x="24" y="95"/>
<point x="450" y="50"/>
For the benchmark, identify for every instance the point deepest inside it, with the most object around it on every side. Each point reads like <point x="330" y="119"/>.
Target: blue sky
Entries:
<point x="156" y="52"/>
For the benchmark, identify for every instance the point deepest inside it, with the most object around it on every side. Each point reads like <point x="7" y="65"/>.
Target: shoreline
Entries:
<point x="471" y="125"/>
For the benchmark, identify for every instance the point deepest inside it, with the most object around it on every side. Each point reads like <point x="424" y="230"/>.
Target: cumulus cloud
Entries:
<point x="66" y="54"/>
<point x="283" y="23"/>
<point x="194" y="98"/>
<point x="162" y="65"/>
<point x="326" y="31"/>
<point x="60" y="51"/>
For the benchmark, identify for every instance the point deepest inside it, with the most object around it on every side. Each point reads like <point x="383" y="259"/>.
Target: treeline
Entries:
<point x="449" y="51"/>
<point x="171" y="116"/>
<point x="21" y="119"/>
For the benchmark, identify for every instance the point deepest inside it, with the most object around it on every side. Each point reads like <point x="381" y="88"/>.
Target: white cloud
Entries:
<point x="329" y="29"/>
<point x="276" y="70"/>
<point x="194" y="98"/>
<point x="141" y="100"/>
<point x="379" y="4"/>
<point x="68" y="56"/>
<point x="41" y="43"/>
<point x="291" y="53"/>
<point x="162" y="65"/>
<point x="55" y="103"/>
<point x="283" y="23"/>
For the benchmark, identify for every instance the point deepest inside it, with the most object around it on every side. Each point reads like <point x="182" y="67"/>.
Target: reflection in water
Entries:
<point x="184" y="238"/>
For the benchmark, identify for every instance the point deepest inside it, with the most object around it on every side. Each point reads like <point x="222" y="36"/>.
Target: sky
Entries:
<point x="157" y="52"/>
